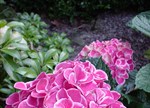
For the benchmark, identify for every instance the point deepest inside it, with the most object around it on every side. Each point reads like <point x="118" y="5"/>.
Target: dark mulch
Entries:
<point x="108" y="25"/>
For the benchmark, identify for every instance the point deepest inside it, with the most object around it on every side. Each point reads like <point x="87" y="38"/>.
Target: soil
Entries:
<point x="105" y="26"/>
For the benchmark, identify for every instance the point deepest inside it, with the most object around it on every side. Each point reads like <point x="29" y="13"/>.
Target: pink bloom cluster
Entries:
<point x="116" y="54"/>
<point x="73" y="84"/>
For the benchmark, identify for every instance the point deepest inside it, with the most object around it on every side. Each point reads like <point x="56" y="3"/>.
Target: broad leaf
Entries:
<point x="142" y="80"/>
<point x="15" y="24"/>
<point x="6" y="36"/>
<point x="31" y="63"/>
<point x="26" y="72"/>
<point x="2" y="2"/>
<point x="50" y="53"/>
<point x="130" y="82"/>
<point x="63" y="56"/>
<point x="12" y="52"/>
<point x="141" y="22"/>
<point x="20" y="46"/>
<point x="10" y="66"/>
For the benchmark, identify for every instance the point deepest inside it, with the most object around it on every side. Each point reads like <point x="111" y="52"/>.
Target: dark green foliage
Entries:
<point x="75" y="8"/>
<point x="34" y="28"/>
<point x="142" y="78"/>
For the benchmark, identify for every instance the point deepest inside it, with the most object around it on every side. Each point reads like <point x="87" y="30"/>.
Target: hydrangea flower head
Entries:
<point x="116" y="54"/>
<point x="73" y="84"/>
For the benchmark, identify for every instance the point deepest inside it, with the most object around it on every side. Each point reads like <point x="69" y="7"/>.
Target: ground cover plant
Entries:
<point x="23" y="56"/>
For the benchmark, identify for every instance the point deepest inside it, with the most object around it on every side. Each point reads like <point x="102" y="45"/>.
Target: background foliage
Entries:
<point x="78" y="8"/>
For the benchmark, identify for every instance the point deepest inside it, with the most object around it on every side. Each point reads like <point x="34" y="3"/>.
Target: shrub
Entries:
<point x="78" y="8"/>
<point x="22" y="63"/>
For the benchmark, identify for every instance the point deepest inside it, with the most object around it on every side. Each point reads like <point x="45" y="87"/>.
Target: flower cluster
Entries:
<point x="73" y="84"/>
<point x="116" y="54"/>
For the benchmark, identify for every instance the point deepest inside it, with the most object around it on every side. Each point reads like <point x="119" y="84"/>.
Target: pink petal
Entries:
<point x="63" y="103"/>
<point x="12" y="99"/>
<point x="24" y="104"/>
<point x="107" y="100"/>
<point x="21" y="86"/>
<point x="62" y="93"/>
<point x="49" y="101"/>
<point x="93" y="105"/>
<point x="42" y="86"/>
<point x="70" y="76"/>
<point x="32" y="101"/>
<point x="42" y="75"/>
<point x="100" y="75"/>
<point x="116" y="95"/>
<point x="85" y="88"/>
<point x="75" y="95"/>
<point x="78" y="105"/>
<point x="37" y="95"/>
<point x="120" y="81"/>
<point x="80" y="74"/>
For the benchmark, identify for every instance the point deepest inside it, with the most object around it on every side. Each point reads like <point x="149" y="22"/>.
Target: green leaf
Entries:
<point x="10" y="66"/>
<point x="142" y="80"/>
<point x="33" y="54"/>
<point x="130" y="82"/>
<point x="3" y="23"/>
<point x="15" y="24"/>
<point x="31" y="63"/>
<point x="63" y="56"/>
<point x="26" y="72"/>
<point x="141" y="22"/>
<point x="12" y="52"/>
<point x="41" y="57"/>
<point x="6" y="36"/>
<point x="6" y="91"/>
<point x="20" y="46"/>
<point x="2" y="2"/>
<point x="50" y="53"/>
<point x="147" y="53"/>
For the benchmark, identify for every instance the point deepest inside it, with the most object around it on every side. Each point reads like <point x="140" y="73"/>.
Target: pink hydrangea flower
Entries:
<point x="73" y="84"/>
<point x="116" y="54"/>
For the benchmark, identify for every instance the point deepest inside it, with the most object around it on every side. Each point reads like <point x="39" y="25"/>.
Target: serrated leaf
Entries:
<point x="142" y="80"/>
<point x="26" y="72"/>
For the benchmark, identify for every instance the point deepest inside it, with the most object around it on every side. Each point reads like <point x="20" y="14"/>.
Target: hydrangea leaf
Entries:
<point x="142" y="78"/>
<point x="141" y="22"/>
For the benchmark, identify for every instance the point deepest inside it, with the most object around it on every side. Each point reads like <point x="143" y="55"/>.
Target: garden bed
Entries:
<point x="108" y="25"/>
